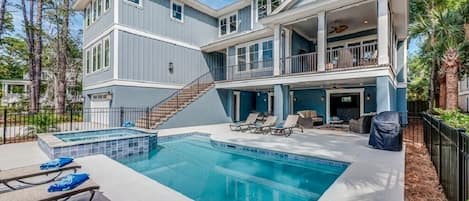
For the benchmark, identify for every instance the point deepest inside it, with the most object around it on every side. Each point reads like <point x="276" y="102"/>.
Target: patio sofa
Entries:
<point x="309" y="118"/>
<point x="362" y="124"/>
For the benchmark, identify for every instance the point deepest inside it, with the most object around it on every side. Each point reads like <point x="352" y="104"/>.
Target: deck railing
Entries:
<point x="244" y="71"/>
<point x="302" y="63"/>
<point x="362" y="55"/>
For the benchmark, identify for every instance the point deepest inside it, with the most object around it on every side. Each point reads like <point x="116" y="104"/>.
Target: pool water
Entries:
<point x="194" y="168"/>
<point x="95" y="135"/>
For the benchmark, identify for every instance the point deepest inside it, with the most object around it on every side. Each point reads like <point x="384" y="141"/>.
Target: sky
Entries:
<point x="217" y="4"/>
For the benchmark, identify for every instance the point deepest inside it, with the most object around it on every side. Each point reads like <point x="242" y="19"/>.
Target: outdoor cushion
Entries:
<point x="56" y="163"/>
<point x="68" y="182"/>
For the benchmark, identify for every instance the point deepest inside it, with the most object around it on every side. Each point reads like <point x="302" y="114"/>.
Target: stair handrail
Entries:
<point x="188" y="85"/>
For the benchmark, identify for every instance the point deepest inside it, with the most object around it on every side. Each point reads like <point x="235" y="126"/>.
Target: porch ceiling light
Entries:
<point x="365" y="22"/>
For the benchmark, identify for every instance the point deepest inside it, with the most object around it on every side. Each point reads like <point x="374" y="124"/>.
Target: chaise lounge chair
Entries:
<point x="19" y="174"/>
<point x="260" y="128"/>
<point x="41" y="193"/>
<point x="289" y="125"/>
<point x="251" y="120"/>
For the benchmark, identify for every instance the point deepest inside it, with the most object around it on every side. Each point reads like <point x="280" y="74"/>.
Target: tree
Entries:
<point x="33" y="32"/>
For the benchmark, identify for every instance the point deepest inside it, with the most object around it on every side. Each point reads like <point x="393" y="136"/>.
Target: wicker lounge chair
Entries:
<point x="40" y="193"/>
<point x="19" y="174"/>
<point x="261" y="128"/>
<point x="251" y="120"/>
<point x="287" y="128"/>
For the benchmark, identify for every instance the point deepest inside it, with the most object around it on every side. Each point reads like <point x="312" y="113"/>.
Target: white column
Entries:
<point x="5" y="89"/>
<point x="277" y="48"/>
<point x="384" y="32"/>
<point x="322" y="41"/>
<point x="288" y="41"/>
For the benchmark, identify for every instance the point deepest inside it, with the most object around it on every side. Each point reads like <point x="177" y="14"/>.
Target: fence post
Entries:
<point x="121" y="117"/>
<point x="460" y="176"/>
<point x="4" y="126"/>
<point x="71" y="118"/>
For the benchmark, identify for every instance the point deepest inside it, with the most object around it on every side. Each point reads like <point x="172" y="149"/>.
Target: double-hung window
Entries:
<point x="254" y="56"/>
<point x="266" y="7"/>
<point x="95" y="61"/>
<point x="88" y="15"/>
<point x="228" y="24"/>
<point x="99" y="56"/>
<point x="95" y="10"/>
<point x="107" y="5"/>
<point x="88" y="61"/>
<point x="177" y="11"/>
<point x="242" y="59"/>
<point x="100" y="7"/>
<point x="267" y="54"/>
<point x="107" y="55"/>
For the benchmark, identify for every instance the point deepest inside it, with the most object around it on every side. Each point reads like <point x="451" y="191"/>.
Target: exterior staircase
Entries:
<point x="167" y="108"/>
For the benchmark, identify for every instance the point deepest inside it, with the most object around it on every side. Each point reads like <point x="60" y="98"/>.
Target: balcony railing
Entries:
<point x="363" y="55"/>
<point x="337" y="59"/>
<point x="244" y="71"/>
<point x="302" y="63"/>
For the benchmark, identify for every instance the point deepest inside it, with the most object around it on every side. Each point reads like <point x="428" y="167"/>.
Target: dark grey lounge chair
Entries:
<point x="287" y="128"/>
<point x="251" y="120"/>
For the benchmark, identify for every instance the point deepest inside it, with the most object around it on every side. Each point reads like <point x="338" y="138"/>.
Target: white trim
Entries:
<point x="171" y="16"/>
<point x="401" y="85"/>
<point x="133" y="83"/>
<point x="116" y="11"/>
<point x="340" y="91"/>
<point x="118" y="27"/>
<point x="237" y="95"/>
<point x="463" y="93"/>
<point x="309" y="77"/>
<point x="115" y="58"/>
<point x="96" y="39"/>
<point x="260" y="53"/>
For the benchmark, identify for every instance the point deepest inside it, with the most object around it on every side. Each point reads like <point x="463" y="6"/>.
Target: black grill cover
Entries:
<point x="386" y="132"/>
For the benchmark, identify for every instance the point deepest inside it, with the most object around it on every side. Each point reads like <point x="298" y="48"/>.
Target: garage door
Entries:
<point x="100" y="106"/>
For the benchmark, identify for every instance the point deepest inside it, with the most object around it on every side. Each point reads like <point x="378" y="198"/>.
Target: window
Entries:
<point x="94" y="58"/>
<point x="95" y="10"/>
<point x="137" y="2"/>
<point x="267" y="54"/>
<point x="261" y="8"/>
<point x="107" y="5"/>
<point x="88" y="61"/>
<point x="99" y="56"/>
<point x="223" y="26"/>
<point x="275" y="4"/>
<point x="254" y="56"/>
<point x="242" y="59"/>
<point x="88" y="16"/>
<point x="100" y="7"/>
<point x="233" y="24"/>
<point x="177" y="11"/>
<point x="107" y="56"/>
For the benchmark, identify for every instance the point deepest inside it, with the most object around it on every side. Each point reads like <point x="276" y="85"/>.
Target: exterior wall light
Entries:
<point x="171" y="67"/>
<point x="322" y="98"/>
<point x="368" y="97"/>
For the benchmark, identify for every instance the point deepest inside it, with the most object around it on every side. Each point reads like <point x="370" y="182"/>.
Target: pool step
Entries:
<point x="161" y="113"/>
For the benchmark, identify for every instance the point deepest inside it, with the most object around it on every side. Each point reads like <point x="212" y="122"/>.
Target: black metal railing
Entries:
<point x="449" y="151"/>
<point x="21" y="126"/>
<point x="244" y="71"/>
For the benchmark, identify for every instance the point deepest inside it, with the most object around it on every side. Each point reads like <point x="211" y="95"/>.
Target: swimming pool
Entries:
<point x="197" y="168"/>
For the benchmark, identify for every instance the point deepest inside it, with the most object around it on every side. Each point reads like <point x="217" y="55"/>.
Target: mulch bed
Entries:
<point x="421" y="179"/>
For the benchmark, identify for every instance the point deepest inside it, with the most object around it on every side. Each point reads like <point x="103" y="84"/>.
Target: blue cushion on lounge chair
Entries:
<point x="128" y="124"/>
<point x="280" y="125"/>
<point x="56" y="163"/>
<point x="68" y="182"/>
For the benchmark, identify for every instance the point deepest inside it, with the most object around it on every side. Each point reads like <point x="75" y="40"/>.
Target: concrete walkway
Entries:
<point x="372" y="175"/>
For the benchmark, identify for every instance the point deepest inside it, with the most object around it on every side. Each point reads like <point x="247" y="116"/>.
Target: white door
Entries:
<point x="99" y="110"/>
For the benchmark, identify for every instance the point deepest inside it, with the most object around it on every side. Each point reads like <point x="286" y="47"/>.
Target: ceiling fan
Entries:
<point x="338" y="28"/>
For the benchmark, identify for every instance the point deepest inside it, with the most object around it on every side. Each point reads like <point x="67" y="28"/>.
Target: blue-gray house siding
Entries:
<point x="154" y="17"/>
<point x="105" y="74"/>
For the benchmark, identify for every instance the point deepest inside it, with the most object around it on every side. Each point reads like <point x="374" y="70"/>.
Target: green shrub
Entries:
<point x="455" y="119"/>
<point x="43" y="122"/>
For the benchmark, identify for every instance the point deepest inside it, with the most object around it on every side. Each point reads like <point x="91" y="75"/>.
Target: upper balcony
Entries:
<point x="334" y="41"/>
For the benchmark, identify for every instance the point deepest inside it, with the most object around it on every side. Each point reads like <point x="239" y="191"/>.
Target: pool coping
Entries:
<point x="54" y="142"/>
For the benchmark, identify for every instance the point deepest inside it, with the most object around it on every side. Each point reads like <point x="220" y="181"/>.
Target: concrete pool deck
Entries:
<point x="372" y="174"/>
